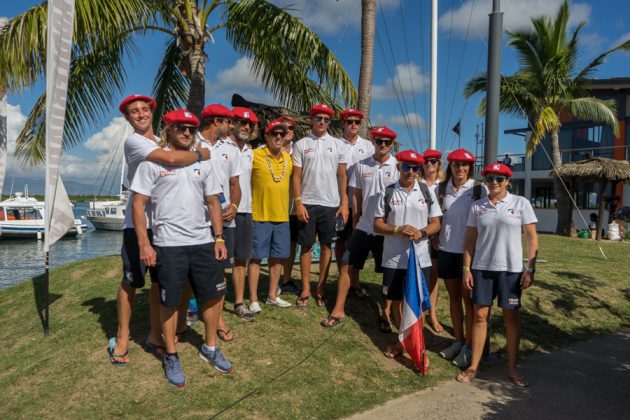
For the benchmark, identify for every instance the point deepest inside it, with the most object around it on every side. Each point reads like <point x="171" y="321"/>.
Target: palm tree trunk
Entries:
<point x="563" y="202"/>
<point x="368" y="27"/>
<point x="197" y="92"/>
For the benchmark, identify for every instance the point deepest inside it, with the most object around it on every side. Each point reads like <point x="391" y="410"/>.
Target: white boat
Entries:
<point x="23" y="217"/>
<point x="107" y="215"/>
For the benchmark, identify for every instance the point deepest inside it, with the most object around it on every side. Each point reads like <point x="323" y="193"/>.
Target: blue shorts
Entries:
<point x="271" y="240"/>
<point x="489" y="284"/>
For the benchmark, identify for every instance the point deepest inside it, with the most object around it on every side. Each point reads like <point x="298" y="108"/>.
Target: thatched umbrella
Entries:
<point x="597" y="169"/>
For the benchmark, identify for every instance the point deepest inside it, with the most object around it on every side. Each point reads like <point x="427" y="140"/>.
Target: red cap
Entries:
<point x="244" y="113"/>
<point x="351" y="112"/>
<point x="133" y="98"/>
<point x="287" y="120"/>
<point x="277" y="123"/>
<point x="497" y="168"/>
<point x="461" y="155"/>
<point x="180" y="116"/>
<point x="322" y="109"/>
<point x="432" y="153"/>
<point x="216" y="110"/>
<point x="410" y="156"/>
<point x="383" y="132"/>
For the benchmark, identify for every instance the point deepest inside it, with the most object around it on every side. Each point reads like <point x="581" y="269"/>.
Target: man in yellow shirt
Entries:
<point x="271" y="174"/>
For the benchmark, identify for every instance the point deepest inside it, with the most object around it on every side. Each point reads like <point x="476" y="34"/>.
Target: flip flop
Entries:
<point x="466" y="376"/>
<point x="321" y="300"/>
<point x="113" y="356"/>
<point x="519" y="381"/>
<point x="155" y="349"/>
<point x="332" y="321"/>
<point x="302" y="301"/>
<point x="223" y="334"/>
<point x="393" y="351"/>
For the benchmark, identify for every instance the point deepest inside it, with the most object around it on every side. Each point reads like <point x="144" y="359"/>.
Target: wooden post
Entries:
<point x="602" y="203"/>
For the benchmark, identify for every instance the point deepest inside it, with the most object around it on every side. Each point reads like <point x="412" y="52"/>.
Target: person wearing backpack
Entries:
<point x="406" y="211"/>
<point x="456" y="195"/>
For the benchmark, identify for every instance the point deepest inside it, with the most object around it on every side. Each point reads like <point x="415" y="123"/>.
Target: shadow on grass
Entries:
<point x="40" y="291"/>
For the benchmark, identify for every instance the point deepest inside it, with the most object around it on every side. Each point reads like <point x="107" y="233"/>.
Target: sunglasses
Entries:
<point x="431" y="161"/>
<point x="383" y="142"/>
<point x="352" y="122"/>
<point x="245" y="123"/>
<point x="277" y="133"/>
<point x="182" y="128"/>
<point x="499" y="179"/>
<point x="406" y="168"/>
<point x="289" y="128"/>
<point x="324" y="119"/>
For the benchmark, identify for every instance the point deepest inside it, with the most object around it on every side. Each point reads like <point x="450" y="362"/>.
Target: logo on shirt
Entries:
<point x="225" y="157"/>
<point x="309" y="150"/>
<point x="367" y="174"/>
<point x="514" y="213"/>
<point x="361" y="151"/>
<point x="396" y="202"/>
<point x="197" y="173"/>
<point x="329" y="150"/>
<point x="167" y="172"/>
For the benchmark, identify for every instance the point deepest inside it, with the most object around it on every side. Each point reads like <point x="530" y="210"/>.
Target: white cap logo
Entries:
<point x="497" y="167"/>
<point x="187" y="115"/>
<point x="324" y="106"/>
<point x="467" y="155"/>
<point x="246" y="114"/>
<point x="413" y="155"/>
<point x="380" y="129"/>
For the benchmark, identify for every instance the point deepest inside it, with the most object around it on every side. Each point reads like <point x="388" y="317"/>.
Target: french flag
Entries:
<point x="415" y="302"/>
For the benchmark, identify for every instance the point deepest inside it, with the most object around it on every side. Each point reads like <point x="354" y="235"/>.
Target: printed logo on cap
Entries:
<point x="468" y="155"/>
<point x="413" y="155"/>
<point x="246" y="114"/>
<point x="496" y="167"/>
<point x="187" y="114"/>
<point x="380" y="129"/>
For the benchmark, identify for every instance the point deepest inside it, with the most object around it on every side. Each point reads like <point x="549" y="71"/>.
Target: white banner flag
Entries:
<point x="3" y="139"/>
<point x="59" y="216"/>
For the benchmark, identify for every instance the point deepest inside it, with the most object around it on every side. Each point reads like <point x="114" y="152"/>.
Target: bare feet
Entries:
<point x="393" y="351"/>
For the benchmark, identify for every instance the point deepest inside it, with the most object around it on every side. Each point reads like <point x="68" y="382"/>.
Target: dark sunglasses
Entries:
<point x="289" y="128"/>
<point x="498" y="178"/>
<point x="353" y="122"/>
<point x="324" y="119"/>
<point x="244" y="122"/>
<point x="406" y="168"/>
<point x="277" y="133"/>
<point x="432" y="161"/>
<point x="383" y="142"/>
<point x="182" y="128"/>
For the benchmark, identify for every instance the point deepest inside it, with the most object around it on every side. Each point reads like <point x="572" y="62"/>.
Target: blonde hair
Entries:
<point x="164" y="140"/>
<point x="440" y="172"/>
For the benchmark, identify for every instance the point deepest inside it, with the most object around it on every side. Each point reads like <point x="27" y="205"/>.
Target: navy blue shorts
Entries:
<point x="243" y="237"/>
<point x="344" y="235"/>
<point x="450" y="265"/>
<point x="134" y="271"/>
<point x="490" y="284"/>
<point x="229" y="235"/>
<point x="271" y="240"/>
<point x="394" y="282"/>
<point x="360" y="245"/>
<point x="176" y="264"/>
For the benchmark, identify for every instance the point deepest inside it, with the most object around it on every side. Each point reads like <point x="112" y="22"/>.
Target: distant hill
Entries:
<point x="36" y="186"/>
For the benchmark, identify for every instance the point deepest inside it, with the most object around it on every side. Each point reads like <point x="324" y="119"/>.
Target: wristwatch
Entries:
<point x="423" y="233"/>
<point x="218" y="236"/>
<point x="531" y="270"/>
<point x="199" y="155"/>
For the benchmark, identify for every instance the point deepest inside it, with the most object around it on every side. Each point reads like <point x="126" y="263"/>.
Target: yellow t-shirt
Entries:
<point x="270" y="193"/>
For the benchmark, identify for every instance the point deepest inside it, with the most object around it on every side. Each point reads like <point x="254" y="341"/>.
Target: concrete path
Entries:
<point x="588" y="380"/>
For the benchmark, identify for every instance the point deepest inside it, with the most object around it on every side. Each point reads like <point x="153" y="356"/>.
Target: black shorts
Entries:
<point x="229" y="234"/>
<point x="489" y="284"/>
<point x="360" y="245"/>
<point x="344" y="235"/>
<point x="321" y="223"/>
<point x="134" y="270"/>
<point x="433" y="252"/>
<point x="244" y="235"/>
<point x="196" y="263"/>
<point x="294" y="225"/>
<point x="394" y="282"/>
<point x="450" y="265"/>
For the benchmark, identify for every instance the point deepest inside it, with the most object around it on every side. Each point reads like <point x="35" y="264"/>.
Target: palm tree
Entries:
<point x="290" y="59"/>
<point x="548" y="87"/>
<point x="368" y="30"/>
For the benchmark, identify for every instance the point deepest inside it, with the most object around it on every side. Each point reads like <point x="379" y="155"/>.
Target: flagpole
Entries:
<point x="47" y="297"/>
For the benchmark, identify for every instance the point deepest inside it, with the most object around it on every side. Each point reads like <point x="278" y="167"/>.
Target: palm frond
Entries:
<point x="170" y="88"/>
<point x="291" y="60"/>
<point x="543" y="124"/>
<point x="587" y="72"/>
<point x="596" y="110"/>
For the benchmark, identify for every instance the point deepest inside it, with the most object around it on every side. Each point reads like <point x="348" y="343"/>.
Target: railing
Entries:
<point x="95" y="213"/>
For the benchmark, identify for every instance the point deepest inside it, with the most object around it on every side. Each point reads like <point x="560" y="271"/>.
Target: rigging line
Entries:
<point x="345" y="29"/>
<point x="115" y="177"/>
<point x="402" y="92"/>
<point x="459" y="73"/>
<point x="113" y="155"/>
<point x="413" y="95"/>
<point x="105" y="169"/>
<point x="448" y="60"/>
<point x="423" y="71"/>
<point x="394" y="87"/>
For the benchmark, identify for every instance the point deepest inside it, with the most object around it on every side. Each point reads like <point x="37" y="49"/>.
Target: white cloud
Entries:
<point x="516" y="14"/>
<point x="593" y="42"/>
<point x="616" y="42"/>
<point x="407" y="79"/>
<point x="412" y="119"/>
<point x="331" y="17"/>
<point x="15" y="122"/>
<point x="109" y="137"/>
<point x="238" y="79"/>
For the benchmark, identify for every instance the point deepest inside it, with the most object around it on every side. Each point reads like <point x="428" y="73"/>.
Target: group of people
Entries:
<point x="203" y="201"/>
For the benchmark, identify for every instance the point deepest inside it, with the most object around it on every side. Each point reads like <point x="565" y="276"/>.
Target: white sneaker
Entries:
<point x="254" y="307"/>
<point x="280" y="303"/>
<point x="451" y="351"/>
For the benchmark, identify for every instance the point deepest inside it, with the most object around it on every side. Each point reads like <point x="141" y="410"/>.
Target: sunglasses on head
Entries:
<point x="432" y="161"/>
<point x="383" y="142"/>
<point x="353" y="122"/>
<point x="182" y="128"/>
<point x="324" y="119"/>
<point x="406" y="167"/>
<point x="244" y="122"/>
<point x="498" y="178"/>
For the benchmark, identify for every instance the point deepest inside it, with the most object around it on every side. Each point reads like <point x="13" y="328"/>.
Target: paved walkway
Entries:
<point x="584" y="381"/>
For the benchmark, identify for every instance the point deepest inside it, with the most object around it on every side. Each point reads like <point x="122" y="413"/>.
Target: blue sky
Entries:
<point x="402" y="58"/>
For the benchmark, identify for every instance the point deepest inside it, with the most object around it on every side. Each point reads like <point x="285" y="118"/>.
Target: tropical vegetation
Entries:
<point x="549" y="88"/>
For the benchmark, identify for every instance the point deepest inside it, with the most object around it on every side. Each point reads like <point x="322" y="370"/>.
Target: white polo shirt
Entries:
<point x="244" y="180"/>
<point x="456" y="206"/>
<point x="319" y="158"/>
<point x="407" y="208"/>
<point x="137" y="148"/>
<point x="357" y="151"/>
<point x="226" y="160"/>
<point x="371" y="178"/>
<point x="178" y="198"/>
<point x="498" y="246"/>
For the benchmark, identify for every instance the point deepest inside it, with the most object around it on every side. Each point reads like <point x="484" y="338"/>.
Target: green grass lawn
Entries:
<point x="286" y="365"/>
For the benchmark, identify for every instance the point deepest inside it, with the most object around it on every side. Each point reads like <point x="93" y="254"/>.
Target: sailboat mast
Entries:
<point x="432" y="123"/>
